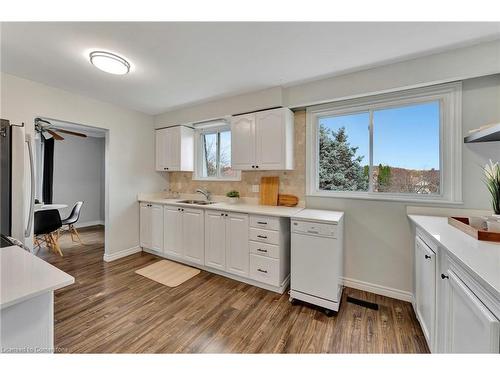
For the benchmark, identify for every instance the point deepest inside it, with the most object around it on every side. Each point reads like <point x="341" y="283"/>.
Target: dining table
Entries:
<point x="51" y="206"/>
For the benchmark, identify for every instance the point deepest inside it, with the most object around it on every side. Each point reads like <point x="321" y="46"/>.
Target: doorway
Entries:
<point x="71" y="178"/>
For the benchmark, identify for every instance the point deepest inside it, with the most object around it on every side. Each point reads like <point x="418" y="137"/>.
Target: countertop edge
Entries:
<point x="250" y="209"/>
<point x="28" y="296"/>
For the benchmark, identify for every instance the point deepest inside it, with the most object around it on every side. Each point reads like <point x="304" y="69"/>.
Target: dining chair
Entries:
<point x="46" y="225"/>
<point x="72" y="219"/>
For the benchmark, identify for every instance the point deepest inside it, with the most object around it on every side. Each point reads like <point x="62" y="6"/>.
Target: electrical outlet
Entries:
<point x="255" y="188"/>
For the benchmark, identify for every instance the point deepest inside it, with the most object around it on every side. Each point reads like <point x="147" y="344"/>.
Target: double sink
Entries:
<point x="197" y="202"/>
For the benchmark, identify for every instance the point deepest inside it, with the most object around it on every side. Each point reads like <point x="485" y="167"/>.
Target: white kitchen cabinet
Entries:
<point x="237" y="250"/>
<point x="263" y="140"/>
<point x="215" y="239"/>
<point x="184" y="233"/>
<point x="425" y="289"/>
<point x="469" y="327"/>
<point x="226" y="241"/>
<point x="172" y="232"/>
<point x="175" y="149"/>
<point x="151" y="226"/>
<point x="243" y="142"/>
<point x="145" y="225"/>
<point x="193" y="241"/>
<point x="457" y="311"/>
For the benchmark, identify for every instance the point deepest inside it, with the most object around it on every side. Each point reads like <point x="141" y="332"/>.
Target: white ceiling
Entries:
<point x="175" y="64"/>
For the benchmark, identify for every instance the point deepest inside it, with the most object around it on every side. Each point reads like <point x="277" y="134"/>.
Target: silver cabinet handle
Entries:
<point x="262" y="250"/>
<point x="261" y="270"/>
<point x="261" y="222"/>
<point x="261" y="236"/>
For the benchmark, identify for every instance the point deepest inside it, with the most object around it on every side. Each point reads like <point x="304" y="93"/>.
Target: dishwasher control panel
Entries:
<point x="314" y="228"/>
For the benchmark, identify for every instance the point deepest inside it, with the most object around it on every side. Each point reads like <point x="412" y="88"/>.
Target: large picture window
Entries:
<point x="398" y="146"/>
<point x="213" y="152"/>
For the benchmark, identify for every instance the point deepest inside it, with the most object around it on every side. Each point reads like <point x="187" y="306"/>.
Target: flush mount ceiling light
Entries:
<point x="109" y="62"/>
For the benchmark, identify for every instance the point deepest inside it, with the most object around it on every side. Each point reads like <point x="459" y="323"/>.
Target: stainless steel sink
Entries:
<point x="192" y="201"/>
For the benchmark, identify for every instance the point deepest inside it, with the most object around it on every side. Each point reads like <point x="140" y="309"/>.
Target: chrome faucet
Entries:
<point x="204" y="192"/>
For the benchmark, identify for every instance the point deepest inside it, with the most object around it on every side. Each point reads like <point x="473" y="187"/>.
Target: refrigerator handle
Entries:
<point x="27" y="233"/>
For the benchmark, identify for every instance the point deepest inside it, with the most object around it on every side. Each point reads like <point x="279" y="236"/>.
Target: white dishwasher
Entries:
<point x="317" y="258"/>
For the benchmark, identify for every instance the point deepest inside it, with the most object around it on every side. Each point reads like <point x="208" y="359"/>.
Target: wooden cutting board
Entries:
<point x="269" y="188"/>
<point x="288" y="200"/>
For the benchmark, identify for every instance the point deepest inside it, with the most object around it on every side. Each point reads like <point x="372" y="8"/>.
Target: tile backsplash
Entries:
<point x="291" y="182"/>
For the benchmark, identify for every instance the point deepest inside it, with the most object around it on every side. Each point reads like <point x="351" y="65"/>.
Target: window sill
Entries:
<point x="384" y="198"/>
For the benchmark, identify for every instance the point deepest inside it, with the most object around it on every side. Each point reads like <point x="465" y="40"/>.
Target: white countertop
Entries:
<point x="319" y="215"/>
<point x="481" y="257"/>
<point x="238" y="207"/>
<point x="24" y="276"/>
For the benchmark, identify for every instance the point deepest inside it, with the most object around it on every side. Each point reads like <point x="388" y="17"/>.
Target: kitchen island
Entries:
<point x="27" y="301"/>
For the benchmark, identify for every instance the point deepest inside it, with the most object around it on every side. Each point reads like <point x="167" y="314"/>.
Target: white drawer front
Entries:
<point x="264" y="269"/>
<point x="265" y="249"/>
<point x="263" y="235"/>
<point x="265" y="222"/>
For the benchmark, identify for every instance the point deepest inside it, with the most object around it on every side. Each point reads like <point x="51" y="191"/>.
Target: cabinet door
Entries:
<point x="172" y="234"/>
<point x="470" y="326"/>
<point x="173" y="148"/>
<point x="215" y="239"/>
<point x="425" y="289"/>
<point x="156" y="214"/>
<point x="237" y="250"/>
<point x="193" y="240"/>
<point x="243" y="142"/>
<point x="161" y="140"/>
<point x="145" y="225"/>
<point x="270" y="140"/>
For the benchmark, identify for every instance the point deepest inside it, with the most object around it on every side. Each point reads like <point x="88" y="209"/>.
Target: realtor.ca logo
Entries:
<point x="33" y="350"/>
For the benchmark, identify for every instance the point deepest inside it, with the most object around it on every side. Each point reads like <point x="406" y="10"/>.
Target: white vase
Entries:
<point x="493" y="225"/>
<point x="233" y="200"/>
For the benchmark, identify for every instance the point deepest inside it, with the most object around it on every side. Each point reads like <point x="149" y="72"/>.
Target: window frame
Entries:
<point x="450" y="141"/>
<point x="201" y="129"/>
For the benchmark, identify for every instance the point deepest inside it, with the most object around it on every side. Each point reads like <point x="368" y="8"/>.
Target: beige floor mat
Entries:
<point x="168" y="273"/>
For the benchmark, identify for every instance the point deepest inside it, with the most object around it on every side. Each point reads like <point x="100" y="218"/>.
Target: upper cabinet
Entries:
<point x="263" y="140"/>
<point x="175" y="149"/>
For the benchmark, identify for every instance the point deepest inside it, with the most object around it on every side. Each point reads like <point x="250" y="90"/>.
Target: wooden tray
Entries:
<point x="462" y="223"/>
<point x="287" y="200"/>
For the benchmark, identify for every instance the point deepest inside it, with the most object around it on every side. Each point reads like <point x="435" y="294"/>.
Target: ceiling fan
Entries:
<point x="43" y="126"/>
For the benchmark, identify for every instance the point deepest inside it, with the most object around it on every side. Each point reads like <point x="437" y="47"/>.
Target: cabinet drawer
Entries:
<point x="265" y="222"/>
<point x="263" y="235"/>
<point x="264" y="269"/>
<point x="263" y="249"/>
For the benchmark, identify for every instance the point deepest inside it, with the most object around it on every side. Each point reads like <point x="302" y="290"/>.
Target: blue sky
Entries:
<point x="406" y="137"/>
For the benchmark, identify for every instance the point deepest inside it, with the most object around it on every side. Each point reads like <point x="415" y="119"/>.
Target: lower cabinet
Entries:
<point x="425" y="289"/>
<point x="456" y="314"/>
<point x="184" y="233"/>
<point x="468" y="325"/>
<point x="151" y="226"/>
<point x="252" y="248"/>
<point x="226" y="241"/>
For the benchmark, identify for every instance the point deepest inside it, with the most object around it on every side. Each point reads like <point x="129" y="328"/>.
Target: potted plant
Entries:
<point x="492" y="181"/>
<point x="233" y="196"/>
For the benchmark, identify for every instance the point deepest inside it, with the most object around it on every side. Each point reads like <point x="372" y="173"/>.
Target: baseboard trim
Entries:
<point x="89" y="223"/>
<point x="378" y="289"/>
<point x="122" y="253"/>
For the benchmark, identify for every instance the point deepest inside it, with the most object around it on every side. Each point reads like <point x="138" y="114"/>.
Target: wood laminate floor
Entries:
<point x="111" y="309"/>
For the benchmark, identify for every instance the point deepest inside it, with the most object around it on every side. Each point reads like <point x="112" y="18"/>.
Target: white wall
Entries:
<point x="222" y="107"/>
<point x="79" y="176"/>
<point x="129" y="150"/>
<point x="378" y="234"/>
